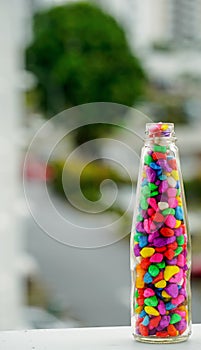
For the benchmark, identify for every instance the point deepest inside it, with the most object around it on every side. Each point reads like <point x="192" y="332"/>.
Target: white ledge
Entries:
<point x="107" y="338"/>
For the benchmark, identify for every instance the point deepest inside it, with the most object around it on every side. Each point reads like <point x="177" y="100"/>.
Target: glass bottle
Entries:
<point x="160" y="244"/>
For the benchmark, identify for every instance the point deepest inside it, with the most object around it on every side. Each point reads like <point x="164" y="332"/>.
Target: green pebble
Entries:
<point x="136" y="305"/>
<point x="178" y="192"/>
<point x="143" y="203"/>
<point x="152" y="186"/>
<point x="161" y="149"/>
<point x="178" y="251"/>
<point x="151" y="301"/>
<point x="148" y="159"/>
<point x="168" y="211"/>
<point x="136" y="294"/>
<point x="175" y="318"/>
<point x="161" y="265"/>
<point x="145" y="191"/>
<point x="180" y="240"/>
<point x="139" y="218"/>
<point x="153" y="194"/>
<point x="153" y="270"/>
<point x="136" y="237"/>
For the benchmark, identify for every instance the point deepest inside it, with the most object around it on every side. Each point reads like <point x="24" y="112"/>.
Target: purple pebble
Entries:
<point x="140" y="227"/>
<point x="172" y="290"/>
<point x="171" y="239"/>
<point x="164" y="322"/>
<point x="183" y="292"/>
<point x="137" y="250"/>
<point x="152" y="236"/>
<point x="172" y="262"/>
<point x="178" y="231"/>
<point x="161" y="307"/>
<point x="163" y="186"/>
<point x="164" y="165"/>
<point x="151" y="175"/>
<point x="181" y="325"/>
<point x="144" y="214"/>
<point x="157" y="182"/>
<point x="152" y="331"/>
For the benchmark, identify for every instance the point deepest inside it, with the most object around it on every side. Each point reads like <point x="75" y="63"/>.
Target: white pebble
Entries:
<point x="171" y="181"/>
<point x="163" y="205"/>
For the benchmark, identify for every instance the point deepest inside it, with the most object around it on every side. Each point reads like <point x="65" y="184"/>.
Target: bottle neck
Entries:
<point x="161" y="141"/>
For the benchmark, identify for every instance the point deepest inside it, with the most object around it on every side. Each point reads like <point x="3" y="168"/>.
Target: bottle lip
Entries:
<point x="161" y="129"/>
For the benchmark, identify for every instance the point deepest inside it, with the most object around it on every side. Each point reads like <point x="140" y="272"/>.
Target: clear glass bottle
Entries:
<point x="160" y="244"/>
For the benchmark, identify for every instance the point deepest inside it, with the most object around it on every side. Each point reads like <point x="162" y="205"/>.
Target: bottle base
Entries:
<point x="168" y="340"/>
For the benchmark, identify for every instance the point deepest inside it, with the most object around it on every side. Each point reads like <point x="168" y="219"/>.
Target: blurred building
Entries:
<point x="185" y="20"/>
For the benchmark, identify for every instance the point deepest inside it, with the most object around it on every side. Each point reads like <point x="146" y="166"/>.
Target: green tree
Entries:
<point x="80" y="54"/>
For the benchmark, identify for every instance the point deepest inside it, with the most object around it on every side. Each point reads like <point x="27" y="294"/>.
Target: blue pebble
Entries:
<point x="147" y="278"/>
<point x="158" y="292"/>
<point x="179" y="213"/>
<point x="179" y="287"/>
<point x="170" y="306"/>
<point x="155" y="166"/>
<point x="162" y="177"/>
<point x="143" y="241"/>
<point x="159" y="172"/>
<point x="145" y="322"/>
<point x="169" y="157"/>
<point x="177" y="185"/>
<point x="142" y="314"/>
<point x="144" y="182"/>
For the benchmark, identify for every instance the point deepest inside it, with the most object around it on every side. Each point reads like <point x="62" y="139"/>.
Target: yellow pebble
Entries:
<point x="167" y="174"/>
<point x="178" y="223"/>
<point x="147" y="252"/>
<point x="139" y="282"/>
<point x="138" y="309"/>
<point x="170" y="271"/>
<point x="161" y="284"/>
<point x="179" y="201"/>
<point x="175" y="174"/>
<point x="150" y="310"/>
<point x="164" y="127"/>
<point x="165" y="295"/>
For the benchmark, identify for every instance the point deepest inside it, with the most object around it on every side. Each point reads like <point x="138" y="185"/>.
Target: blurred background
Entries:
<point x="55" y="55"/>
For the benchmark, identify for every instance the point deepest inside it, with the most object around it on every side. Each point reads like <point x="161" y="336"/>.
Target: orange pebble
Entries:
<point x="172" y="331"/>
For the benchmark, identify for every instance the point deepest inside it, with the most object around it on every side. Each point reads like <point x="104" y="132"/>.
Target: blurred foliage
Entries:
<point x="79" y="55"/>
<point x="169" y="107"/>
<point x="193" y="192"/>
<point x="92" y="175"/>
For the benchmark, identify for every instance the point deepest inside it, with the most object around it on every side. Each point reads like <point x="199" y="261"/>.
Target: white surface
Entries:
<point x="109" y="338"/>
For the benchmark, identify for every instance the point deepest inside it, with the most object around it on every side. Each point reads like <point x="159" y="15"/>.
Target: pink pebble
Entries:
<point x="170" y="221"/>
<point x="173" y="202"/>
<point x="148" y="292"/>
<point x="178" y="300"/>
<point x="156" y="258"/>
<point x="180" y="260"/>
<point x="150" y="211"/>
<point x="181" y="313"/>
<point x="161" y="307"/>
<point x="152" y="203"/>
<point x="172" y="192"/>
<point x="147" y="225"/>
<point x="177" y="278"/>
